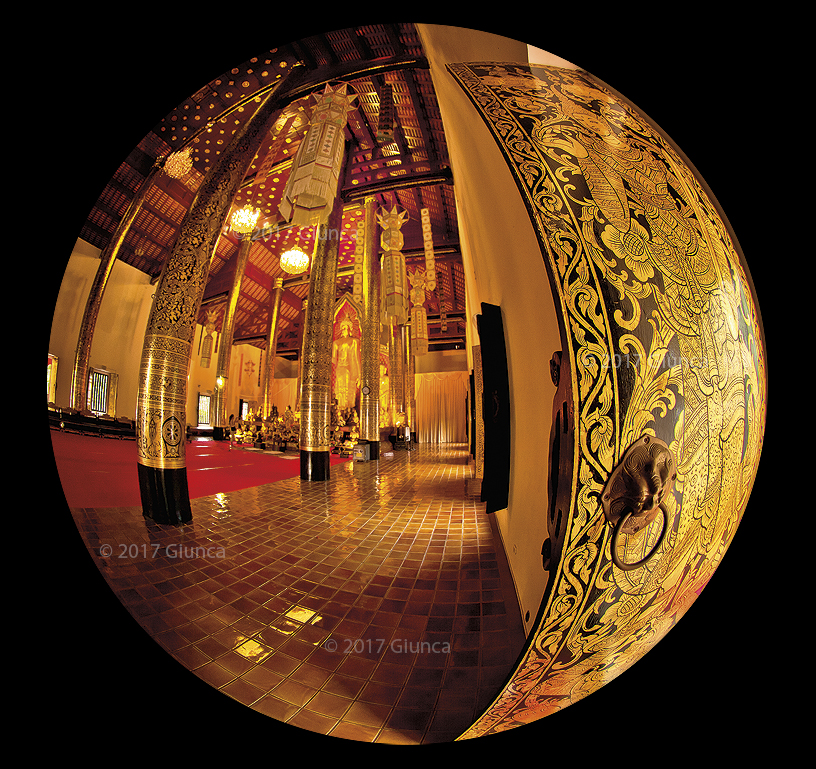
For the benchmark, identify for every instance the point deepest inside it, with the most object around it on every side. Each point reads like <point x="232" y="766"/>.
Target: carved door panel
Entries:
<point x="660" y="409"/>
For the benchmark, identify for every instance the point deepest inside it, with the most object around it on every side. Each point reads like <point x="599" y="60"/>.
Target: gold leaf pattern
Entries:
<point x="663" y="339"/>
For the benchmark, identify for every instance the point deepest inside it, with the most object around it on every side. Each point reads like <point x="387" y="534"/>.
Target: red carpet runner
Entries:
<point x="101" y="472"/>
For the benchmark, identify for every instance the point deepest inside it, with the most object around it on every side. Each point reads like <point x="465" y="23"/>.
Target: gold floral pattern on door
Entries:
<point x="663" y="340"/>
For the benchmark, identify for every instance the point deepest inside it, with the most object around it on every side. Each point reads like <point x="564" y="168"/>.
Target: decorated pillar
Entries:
<point x="271" y="346"/>
<point x="227" y="330"/>
<point x="79" y="378"/>
<point x="370" y="296"/>
<point x="301" y="352"/>
<point x="316" y="366"/>
<point x="161" y="407"/>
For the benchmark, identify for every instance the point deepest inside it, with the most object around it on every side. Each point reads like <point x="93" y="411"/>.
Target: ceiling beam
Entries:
<point x="442" y="175"/>
<point x="422" y="118"/>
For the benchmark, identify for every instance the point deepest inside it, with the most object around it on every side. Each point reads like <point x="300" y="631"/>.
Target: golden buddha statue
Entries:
<point x="346" y="364"/>
<point x="385" y="396"/>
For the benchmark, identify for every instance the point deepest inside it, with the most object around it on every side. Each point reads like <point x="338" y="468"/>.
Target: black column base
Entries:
<point x="314" y="465"/>
<point x="165" y="496"/>
<point x="374" y="450"/>
<point x="221" y="433"/>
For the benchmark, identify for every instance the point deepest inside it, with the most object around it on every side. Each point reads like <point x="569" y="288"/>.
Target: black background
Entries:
<point x="713" y="686"/>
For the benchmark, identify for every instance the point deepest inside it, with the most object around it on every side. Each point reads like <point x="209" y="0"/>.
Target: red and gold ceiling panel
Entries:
<point x="206" y="122"/>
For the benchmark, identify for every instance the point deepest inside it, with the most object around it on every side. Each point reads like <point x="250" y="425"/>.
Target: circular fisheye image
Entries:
<point x="406" y="385"/>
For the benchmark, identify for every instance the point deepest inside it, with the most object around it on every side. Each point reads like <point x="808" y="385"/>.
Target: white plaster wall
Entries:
<point x="120" y="326"/>
<point x="503" y="266"/>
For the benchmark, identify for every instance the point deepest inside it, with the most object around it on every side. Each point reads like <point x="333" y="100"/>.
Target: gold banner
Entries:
<point x="427" y="237"/>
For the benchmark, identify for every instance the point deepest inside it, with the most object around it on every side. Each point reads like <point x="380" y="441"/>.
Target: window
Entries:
<point x="98" y="392"/>
<point x="52" y="378"/>
<point x="204" y="410"/>
<point x="102" y="392"/>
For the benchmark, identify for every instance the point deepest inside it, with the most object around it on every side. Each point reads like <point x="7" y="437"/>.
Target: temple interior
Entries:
<point x="388" y="584"/>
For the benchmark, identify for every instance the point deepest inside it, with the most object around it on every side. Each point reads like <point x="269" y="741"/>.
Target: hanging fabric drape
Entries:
<point x="441" y="407"/>
<point x="419" y="316"/>
<point x="430" y="261"/>
<point x="312" y="186"/>
<point x="284" y="393"/>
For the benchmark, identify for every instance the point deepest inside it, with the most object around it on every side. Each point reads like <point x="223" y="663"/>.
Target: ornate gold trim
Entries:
<point x="662" y="336"/>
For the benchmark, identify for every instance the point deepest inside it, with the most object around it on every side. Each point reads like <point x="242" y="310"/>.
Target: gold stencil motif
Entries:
<point x="161" y="416"/>
<point x="161" y="402"/>
<point x="316" y="367"/>
<point x="663" y="339"/>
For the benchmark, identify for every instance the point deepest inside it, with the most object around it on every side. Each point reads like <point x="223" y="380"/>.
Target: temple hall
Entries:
<point x="406" y="385"/>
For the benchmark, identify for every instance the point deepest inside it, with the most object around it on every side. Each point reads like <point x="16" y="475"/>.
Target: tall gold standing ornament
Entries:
<point x="370" y="353"/>
<point x="394" y="294"/>
<point x="427" y="239"/>
<point x="161" y="407"/>
<point x="420" y="281"/>
<point x="419" y="315"/>
<point x="312" y="186"/>
<point x="271" y="347"/>
<point x="397" y="375"/>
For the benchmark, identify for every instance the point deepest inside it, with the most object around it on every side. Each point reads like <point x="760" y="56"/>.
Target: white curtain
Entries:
<point x="284" y="393"/>
<point x="441" y="406"/>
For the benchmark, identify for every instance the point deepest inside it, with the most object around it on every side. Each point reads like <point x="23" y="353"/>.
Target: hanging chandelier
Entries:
<point x="294" y="261"/>
<point x="179" y="163"/>
<point x="244" y="219"/>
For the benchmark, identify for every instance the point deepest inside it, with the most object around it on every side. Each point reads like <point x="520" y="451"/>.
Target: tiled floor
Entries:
<point x="375" y="606"/>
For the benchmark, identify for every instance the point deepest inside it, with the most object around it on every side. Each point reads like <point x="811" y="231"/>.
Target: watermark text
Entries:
<point x="153" y="550"/>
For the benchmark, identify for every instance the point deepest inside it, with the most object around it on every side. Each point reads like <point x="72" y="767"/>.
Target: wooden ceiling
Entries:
<point x="411" y="170"/>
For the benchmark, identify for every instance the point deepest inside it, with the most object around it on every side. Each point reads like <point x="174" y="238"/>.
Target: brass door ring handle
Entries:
<point x="620" y="524"/>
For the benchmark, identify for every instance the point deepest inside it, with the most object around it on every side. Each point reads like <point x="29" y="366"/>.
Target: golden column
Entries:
<point x="409" y="370"/>
<point x="397" y="372"/>
<point x="161" y="407"/>
<point x="227" y="332"/>
<point x="301" y="352"/>
<point x="316" y="364"/>
<point x="271" y="346"/>
<point x="370" y="352"/>
<point x="79" y="377"/>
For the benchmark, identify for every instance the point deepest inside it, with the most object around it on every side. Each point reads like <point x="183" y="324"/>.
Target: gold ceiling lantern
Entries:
<point x="294" y="261"/>
<point x="179" y="164"/>
<point x="244" y="219"/>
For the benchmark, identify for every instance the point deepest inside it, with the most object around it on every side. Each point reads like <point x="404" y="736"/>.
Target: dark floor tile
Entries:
<point x="382" y="559"/>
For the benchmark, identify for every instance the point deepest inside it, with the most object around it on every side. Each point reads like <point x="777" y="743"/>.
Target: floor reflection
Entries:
<point x="370" y="607"/>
